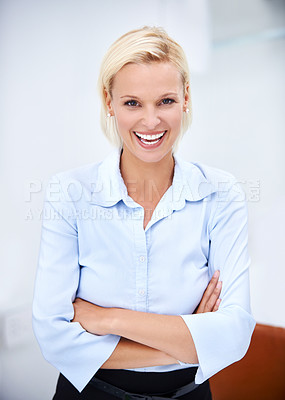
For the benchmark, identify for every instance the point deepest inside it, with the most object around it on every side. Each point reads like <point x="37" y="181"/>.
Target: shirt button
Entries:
<point x="141" y="292"/>
<point x="142" y="258"/>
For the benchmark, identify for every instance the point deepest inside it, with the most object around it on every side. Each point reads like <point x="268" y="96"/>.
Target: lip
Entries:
<point x="150" y="146"/>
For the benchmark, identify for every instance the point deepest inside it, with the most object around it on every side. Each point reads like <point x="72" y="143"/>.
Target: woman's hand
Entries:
<point x="91" y="317"/>
<point x="210" y="301"/>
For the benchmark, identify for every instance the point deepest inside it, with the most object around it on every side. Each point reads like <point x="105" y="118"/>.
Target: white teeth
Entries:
<point x="150" y="137"/>
<point x="149" y="143"/>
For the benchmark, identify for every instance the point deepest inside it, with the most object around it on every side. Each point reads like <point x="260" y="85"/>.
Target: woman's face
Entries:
<point x="148" y="102"/>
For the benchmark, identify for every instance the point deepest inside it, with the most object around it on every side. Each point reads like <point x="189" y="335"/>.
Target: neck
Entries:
<point x="146" y="182"/>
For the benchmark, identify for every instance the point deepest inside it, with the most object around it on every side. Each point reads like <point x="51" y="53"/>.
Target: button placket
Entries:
<point x="140" y="260"/>
<point x="141" y="284"/>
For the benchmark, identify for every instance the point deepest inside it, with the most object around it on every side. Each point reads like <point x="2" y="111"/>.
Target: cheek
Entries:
<point x="124" y="121"/>
<point x="175" y="118"/>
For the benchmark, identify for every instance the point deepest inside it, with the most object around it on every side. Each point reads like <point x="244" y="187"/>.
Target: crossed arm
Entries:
<point x="147" y="339"/>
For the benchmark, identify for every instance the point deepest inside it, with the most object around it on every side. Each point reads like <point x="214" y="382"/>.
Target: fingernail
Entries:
<point x="216" y="274"/>
<point x="219" y="284"/>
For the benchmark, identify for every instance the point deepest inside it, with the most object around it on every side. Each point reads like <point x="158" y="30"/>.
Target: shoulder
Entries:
<point x="74" y="184"/>
<point x="205" y="180"/>
<point x="84" y="173"/>
<point x="226" y="185"/>
<point x="217" y="177"/>
<point x="90" y="173"/>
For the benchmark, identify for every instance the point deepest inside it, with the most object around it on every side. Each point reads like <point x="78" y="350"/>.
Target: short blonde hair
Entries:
<point x="140" y="46"/>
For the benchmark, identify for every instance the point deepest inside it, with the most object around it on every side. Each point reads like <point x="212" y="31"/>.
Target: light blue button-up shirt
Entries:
<point x="94" y="246"/>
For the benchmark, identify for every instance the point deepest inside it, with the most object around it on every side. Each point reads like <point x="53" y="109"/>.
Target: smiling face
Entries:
<point x="148" y="101"/>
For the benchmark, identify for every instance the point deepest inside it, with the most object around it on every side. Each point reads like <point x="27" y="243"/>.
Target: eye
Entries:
<point x="167" y="101"/>
<point x="131" y="103"/>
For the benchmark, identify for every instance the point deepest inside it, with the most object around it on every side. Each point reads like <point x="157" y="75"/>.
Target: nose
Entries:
<point x="151" y="118"/>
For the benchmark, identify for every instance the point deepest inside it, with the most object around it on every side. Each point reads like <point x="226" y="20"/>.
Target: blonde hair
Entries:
<point x="140" y="46"/>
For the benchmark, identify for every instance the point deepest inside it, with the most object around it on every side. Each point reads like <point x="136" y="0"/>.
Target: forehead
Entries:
<point x="140" y="78"/>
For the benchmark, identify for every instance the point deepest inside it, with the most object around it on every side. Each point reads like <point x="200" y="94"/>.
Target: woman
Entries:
<point x="127" y="297"/>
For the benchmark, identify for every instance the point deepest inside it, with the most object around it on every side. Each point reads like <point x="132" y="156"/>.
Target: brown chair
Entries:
<point x="260" y="375"/>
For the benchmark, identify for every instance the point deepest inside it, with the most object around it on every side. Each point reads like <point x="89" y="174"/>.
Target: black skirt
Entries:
<point x="135" y="382"/>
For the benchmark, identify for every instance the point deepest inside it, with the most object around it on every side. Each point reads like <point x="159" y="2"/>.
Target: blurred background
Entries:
<point x="50" y="55"/>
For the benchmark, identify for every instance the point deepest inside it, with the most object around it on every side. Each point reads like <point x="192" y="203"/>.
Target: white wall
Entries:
<point x="50" y="55"/>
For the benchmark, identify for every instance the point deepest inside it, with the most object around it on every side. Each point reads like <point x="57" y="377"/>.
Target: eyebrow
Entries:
<point x="164" y="95"/>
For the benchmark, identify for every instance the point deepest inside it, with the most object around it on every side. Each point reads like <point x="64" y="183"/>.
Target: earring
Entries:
<point x="187" y="110"/>
<point x="108" y="115"/>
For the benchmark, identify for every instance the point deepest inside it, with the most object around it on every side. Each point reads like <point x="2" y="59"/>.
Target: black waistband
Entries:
<point x="147" y="382"/>
<point x="123" y="395"/>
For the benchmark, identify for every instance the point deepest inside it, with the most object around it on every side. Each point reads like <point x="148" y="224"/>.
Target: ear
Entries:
<point x="108" y="101"/>
<point x="186" y="96"/>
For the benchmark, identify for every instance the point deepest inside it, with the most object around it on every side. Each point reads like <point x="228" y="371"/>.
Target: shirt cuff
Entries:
<point x="221" y="338"/>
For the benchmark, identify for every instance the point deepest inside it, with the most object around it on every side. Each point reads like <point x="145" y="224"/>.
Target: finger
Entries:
<point x="210" y="288"/>
<point x="214" y="297"/>
<point x="216" y="306"/>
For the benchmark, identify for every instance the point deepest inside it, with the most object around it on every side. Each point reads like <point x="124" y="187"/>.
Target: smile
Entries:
<point x="149" y="139"/>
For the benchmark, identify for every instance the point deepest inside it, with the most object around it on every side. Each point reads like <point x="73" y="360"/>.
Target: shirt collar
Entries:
<point x="189" y="184"/>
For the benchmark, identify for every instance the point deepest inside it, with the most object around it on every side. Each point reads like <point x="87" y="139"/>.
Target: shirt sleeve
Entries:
<point x="223" y="337"/>
<point x="76" y="353"/>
